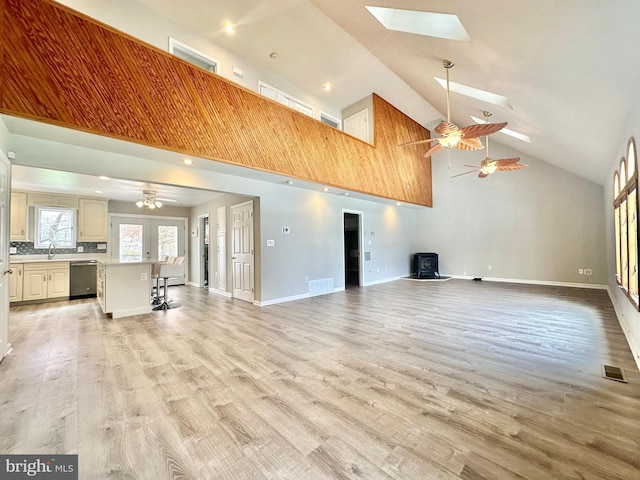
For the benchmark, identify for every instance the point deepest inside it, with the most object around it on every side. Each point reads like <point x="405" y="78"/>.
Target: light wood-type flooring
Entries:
<point x="404" y="380"/>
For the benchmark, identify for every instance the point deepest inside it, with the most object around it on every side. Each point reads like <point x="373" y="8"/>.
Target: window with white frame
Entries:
<point x="625" y="206"/>
<point x="55" y="226"/>
<point x="284" y="98"/>
<point x="193" y="56"/>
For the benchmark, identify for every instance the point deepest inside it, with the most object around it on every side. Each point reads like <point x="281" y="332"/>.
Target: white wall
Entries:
<point x="541" y="223"/>
<point x="144" y="24"/>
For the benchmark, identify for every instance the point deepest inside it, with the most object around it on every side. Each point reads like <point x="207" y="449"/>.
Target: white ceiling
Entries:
<point x="569" y="68"/>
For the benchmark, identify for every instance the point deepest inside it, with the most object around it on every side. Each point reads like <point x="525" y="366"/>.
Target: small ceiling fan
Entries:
<point x="453" y="137"/>
<point x="489" y="165"/>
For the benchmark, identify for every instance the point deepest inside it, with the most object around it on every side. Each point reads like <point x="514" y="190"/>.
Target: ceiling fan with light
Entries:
<point x="453" y="137"/>
<point x="150" y="201"/>
<point x="489" y="165"/>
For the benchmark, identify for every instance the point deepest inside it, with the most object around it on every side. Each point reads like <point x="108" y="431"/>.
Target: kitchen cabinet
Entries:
<point x="92" y="220"/>
<point x="43" y="280"/>
<point x="51" y="200"/>
<point x="18" y="225"/>
<point x="15" y="282"/>
<point x="124" y="289"/>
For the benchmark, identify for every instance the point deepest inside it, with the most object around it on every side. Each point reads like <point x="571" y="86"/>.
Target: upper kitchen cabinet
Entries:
<point x="37" y="199"/>
<point x="92" y="220"/>
<point x="18" y="227"/>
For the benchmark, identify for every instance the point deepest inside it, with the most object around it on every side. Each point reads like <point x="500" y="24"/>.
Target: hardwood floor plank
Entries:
<point x="405" y="380"/>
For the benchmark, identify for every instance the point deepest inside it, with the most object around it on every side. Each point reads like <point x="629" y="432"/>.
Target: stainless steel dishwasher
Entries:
<point x="82" y="279"/>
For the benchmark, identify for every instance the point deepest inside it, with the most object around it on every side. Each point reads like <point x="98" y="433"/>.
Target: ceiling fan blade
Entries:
<point x="510" y="167"/>
<point x="446" y="128"/>
<point x="166" y="200"/>
<point x="465" y="173"/>
<point x="482" y="129"/>
<point x="469" y="144"/>
<point x="507" y="161"/>
<point x="418" y="142"/>
<point x="433" y="150"/>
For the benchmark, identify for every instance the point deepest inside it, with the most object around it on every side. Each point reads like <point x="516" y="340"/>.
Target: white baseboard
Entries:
<point x="222" y="293"/>
<point x="635" y="351"/>
<point x="536" y="282"/>
<point x="384" y="280"/>
<point x="293" y="298"/>
<point x="193" y="284"/>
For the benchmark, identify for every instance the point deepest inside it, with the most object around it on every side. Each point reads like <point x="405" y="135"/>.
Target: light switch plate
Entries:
<point x="102" y="246"/>
<point x="13" y="250"/>
<point x="271" y="243"/>
<point x="80" y="249"/>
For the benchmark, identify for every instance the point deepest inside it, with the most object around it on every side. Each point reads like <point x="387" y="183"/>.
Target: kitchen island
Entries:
<point x="124" y="288"/>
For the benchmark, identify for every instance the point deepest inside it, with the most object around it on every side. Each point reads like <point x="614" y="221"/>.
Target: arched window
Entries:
<point x="625" y="188"/>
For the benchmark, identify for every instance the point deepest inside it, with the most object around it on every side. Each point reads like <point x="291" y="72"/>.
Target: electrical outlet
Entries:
<point x="306" y="279"/>
<point x="143" y="276"/>
<point x="580" y="271"/>
<point x="587" y="271"/>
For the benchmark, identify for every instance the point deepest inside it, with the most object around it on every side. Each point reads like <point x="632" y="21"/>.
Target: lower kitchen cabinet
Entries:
<point x="15" y="282"/>
<point x="45" y="280"/>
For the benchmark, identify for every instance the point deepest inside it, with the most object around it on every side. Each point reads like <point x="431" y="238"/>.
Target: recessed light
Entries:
<point x="399" y="204"/>
<point x="187" y="161"/>
<point x="327" y="86"/>
<point x="98" y="191"/>
<point x="326" y="189"/>
<point x="440" y="25"/>
<point x="506" y="131"/>
<point x="273" y="55"/>
<point x="346" y="194"/>
<point x="488" y="97"/>
<point x="289" y="182"/>
<point x="103" y="177"/>
<point x="230" y="29"/>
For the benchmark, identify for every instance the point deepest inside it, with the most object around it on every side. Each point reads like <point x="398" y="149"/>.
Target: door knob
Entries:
<point x="10" y="271"/>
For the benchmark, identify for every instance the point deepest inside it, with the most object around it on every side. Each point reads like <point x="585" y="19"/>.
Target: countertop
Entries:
<point x="100" y="257"/>
<point x="115" y="261"/>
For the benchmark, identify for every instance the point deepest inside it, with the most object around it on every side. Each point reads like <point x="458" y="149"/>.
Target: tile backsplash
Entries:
<point x="26" y="248"/>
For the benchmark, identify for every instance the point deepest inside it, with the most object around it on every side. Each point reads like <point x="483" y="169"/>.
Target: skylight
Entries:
<point x="488" y="97"/>
<point x="506" y="131"/>
<point x="440" y="25"/>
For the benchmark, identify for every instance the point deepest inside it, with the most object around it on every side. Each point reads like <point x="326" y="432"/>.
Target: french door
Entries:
<point x="138" y="238"/>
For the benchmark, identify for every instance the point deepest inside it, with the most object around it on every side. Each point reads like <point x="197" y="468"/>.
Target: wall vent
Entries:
<point x="613" y="373"/>
<point x="320" y="286"/>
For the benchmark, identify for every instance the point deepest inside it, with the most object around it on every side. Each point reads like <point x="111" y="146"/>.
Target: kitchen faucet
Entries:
<point x="52" y="251"/>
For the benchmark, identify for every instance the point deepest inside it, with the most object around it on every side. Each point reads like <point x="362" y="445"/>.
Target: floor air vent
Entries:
<point x="613" y="373"/>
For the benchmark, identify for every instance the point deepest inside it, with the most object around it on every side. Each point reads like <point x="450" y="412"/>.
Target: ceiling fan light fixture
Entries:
<point x="449" y="141"/>
<point x="149" y="201"/>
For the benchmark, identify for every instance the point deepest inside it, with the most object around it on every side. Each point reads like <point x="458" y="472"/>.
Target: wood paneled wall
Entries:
<point x="61" y="67"/>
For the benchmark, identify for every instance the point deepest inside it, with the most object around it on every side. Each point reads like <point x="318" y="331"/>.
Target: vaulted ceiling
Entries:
<point x="569" y="68"/>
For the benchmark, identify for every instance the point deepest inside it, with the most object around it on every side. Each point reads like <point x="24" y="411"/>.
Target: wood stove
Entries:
<point x="425" y="265"/>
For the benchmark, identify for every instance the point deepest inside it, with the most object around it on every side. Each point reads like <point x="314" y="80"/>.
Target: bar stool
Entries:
<point x="174" y="267"/>
<point x="156" y="299"/>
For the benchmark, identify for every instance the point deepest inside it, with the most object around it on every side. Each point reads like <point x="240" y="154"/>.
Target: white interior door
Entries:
<point x="358" y="125"/>
<point x="242" y="251"/>
<point x="134" y="239"/>
<point x="5" y="191"/>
